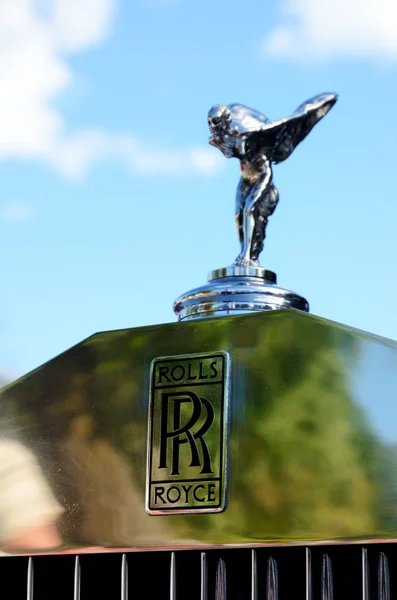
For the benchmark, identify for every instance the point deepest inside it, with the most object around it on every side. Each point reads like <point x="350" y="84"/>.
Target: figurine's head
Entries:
<point x="219" y="119"/>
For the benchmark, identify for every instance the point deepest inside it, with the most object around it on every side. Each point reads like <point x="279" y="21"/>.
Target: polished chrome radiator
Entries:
<point x="326" y="573"/>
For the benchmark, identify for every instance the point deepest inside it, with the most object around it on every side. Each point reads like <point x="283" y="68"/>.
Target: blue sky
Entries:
<point x="112" y="203"/>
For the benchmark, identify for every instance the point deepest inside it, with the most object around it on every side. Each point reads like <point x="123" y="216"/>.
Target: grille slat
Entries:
<point x="271" y="580"/>
<point x="204" y="577"/>
<point x="220" y="585"/>
<point x="365" y="574"/>
<point x="124" y="578"/>
<point x="77" y="579"/>
<point x="383" y="578"/>
<point x="309" y="588"/>
<point x="30" y="580"/>
<point x="254" y="576"/>
<point x="327" y="592"/>
<point x="173" y="577"/>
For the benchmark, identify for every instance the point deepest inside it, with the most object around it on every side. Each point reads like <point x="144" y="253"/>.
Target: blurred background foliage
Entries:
<point x="304" y="461"/>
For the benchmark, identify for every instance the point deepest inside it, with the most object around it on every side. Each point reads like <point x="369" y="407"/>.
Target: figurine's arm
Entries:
<point x="226" y="144"/>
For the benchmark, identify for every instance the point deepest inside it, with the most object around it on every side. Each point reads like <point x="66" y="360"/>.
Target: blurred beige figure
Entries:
<point x="108" y="503"/>
<point x="28" y="509"/>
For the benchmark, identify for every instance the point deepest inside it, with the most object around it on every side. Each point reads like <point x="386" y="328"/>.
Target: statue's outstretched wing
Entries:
<point x="279" y="139"/>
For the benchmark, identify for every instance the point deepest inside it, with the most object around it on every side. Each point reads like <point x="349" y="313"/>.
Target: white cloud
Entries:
<point x="36" y="38"/>
<point x="76" y="153"/>
<point x="322" y="29"/>
<point x="78" y="24"/>
<point x="16" y="212"/>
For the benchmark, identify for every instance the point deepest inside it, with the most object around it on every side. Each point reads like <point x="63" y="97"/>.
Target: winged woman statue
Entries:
<point x="244" y="133"/>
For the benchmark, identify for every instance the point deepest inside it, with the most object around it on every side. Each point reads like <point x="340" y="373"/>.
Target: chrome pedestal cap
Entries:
<point x="235" y="290"/>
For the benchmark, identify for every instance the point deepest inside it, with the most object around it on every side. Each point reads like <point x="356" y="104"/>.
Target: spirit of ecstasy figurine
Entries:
<point x="243" y="133"/>
<point x="258" y="143"/>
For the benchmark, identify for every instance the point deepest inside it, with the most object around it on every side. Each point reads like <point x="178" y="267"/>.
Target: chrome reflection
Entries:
<point x="327" y="591"/>
<point x="272" y="580"/>
<point x="383" y="577"/>
<point x="220" y="583"/>
<point x="299" y="387"/>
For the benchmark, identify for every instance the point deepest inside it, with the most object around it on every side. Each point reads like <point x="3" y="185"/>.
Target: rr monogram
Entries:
<point x="183" y="434"/>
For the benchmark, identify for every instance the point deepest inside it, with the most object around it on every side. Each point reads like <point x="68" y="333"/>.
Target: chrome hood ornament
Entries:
<point x="258" y="143"/>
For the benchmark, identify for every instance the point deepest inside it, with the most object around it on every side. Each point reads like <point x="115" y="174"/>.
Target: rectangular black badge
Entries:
<point x="186" y="466"/>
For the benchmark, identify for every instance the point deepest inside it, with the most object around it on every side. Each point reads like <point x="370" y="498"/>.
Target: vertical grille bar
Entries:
<point x="327" y="591"/>
<point x="272" y="580"/>
<point x="254" y="576"/>
<point x="173" y="577"/>
<point x="124" y="578"/>
<point x="77" y="579"/>
<point x="309" y="585"/>
<point x="30" y="580"/>
<point x="365" y="573"/>
<point x="220" y="584"/>
<point x="204" y="577"/>
<point x="383" y="577"/>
